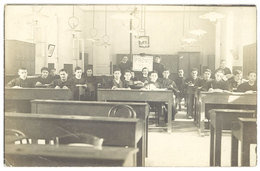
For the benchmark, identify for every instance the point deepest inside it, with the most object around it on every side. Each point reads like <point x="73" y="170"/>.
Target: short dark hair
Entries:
<point x="207" y="70"/>
<point x="194" y="69"/>
<point x="77" y="68"/>
<point x="237" y="72"/>
<point x="220" y="70"/>
<point x="116" y="69"/>
<point x="63" y="70"/>
<point x="145" y="68"/>
<point x="251" y="72"/>
<point x="44" y="69"/>
<point x="127" y="71"/>
<point x="22" y="68"/>
<point x="166" y="69"/>
<point x="154" y="71"/>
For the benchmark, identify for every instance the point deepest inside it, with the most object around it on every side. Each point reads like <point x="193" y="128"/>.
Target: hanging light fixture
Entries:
<point x="73" y="23"/>
<point x="106" y="38"/>
<point x="198" y="32"/>
<point x="212" y="16"/>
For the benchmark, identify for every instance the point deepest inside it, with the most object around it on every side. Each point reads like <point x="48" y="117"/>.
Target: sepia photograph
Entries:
<point x="129" y="85"/>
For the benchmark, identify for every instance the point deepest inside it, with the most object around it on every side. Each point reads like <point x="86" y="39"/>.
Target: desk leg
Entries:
<point x="212" y="143"/>
<point x="202" y="118"/>
<point x="146" y="138"/>
<point x="170" y="115"/>
<point x="234" y="151"/>
<point x="218" y="134"/>
<point x="245" y="153"/>
<point x="140" y="153"/>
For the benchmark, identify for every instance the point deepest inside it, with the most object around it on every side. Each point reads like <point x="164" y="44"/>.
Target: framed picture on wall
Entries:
<point x="144" y="42"/>
<point x="51" y="48"/>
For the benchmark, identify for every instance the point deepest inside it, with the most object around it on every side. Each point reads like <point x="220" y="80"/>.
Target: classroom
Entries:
<point x="130" y="85"/>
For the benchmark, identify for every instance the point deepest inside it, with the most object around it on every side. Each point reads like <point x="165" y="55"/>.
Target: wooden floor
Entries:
<point x="184" y="147"/>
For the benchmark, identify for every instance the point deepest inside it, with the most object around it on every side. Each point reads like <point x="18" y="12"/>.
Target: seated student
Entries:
<point x="53" y="75"/>
<point x="133" y="77"/>
<point x="250" y="86"/>
<point x="44" y="79"/>
<point x="235" y="81"/>
<point x="204" y="84"/>
<point x="91" y="84"/>
<point x="180" y="83"/>
<point x="76" y="82"/>
<point x="62" y="82"/>
<point x="218" y="84"/>
<point x="127" y="82"/>
<point x="153" y="83"/>
<point x="157" y="66"/>
<point x="116" y="82"/>
<point x="226" y="71"/>
<point x="143" y="79"/>
<point x="191" y="83"/>
<point x="22" y="81"/>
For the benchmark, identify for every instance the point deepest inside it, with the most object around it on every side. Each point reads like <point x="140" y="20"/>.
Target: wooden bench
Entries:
<point x="62" y="155"/>
<point x="221" y="119"/>
<point x="90" y="109"/>
<point x="208" y="100"/>
<point x="243" y="130"/>
<point x="139" y="96"/>
<point x="119" y="132"/>
<point x="20" y="97"/>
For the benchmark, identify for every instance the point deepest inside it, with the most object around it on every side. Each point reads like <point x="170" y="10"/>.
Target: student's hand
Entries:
<point x="114" y="87"/>
<point x="65" y="87"/>
<point x="249" y="92"/>
<point x="224" y="78"/>
<point x="38" y="83"/>
<point x="226" y="91"/>
<point x="57" y="87"/>
<point x="211" y="90"/>
<point x="16" y="87"/>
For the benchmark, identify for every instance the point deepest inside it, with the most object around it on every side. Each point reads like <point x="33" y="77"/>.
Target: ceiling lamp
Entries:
<point x="198" y="32"/>
<point x="212" y="16"/>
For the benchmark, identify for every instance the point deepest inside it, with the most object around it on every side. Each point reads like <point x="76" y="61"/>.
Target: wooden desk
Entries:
<point x="21" y="96"/>
<point x="139" y="95"/>
<point x="243" y="130"/>
<point x="221" y="101"/>
<point x="90" y="109"/>
<point x="220" y="118"/>
<point x="115" y="131"/>
<point x="62" y="155"/>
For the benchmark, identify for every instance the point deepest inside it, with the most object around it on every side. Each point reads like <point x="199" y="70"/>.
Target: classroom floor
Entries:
<point x="184" y="146"/>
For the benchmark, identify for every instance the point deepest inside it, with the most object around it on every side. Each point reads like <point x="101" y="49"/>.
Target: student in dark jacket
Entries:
<point x="180" y="83"/>
<point x="157" y="66"/>
<point x="226" y="71"/>
<point x="250" y="86"/>
<point x="116" y="82"/>
<point x="78" y="84"/>
<point x="44" y="79"/>
<point x="53" y="76"/>
<point x="124" y="65"/>
<point x="204" y="84"/>
<point x="235" y="81"/>
<point x="127" y="82"/>
<point x="62" y="82"/>
<point x="144" y="78"/>
<point x="22" y="81"/>
<point x="218" y="84"/>
<point x="91" y="84"/>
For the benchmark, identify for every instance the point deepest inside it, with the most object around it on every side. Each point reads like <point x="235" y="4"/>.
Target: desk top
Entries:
<point x="247" y="119"/>
<point x="134" y="90"/>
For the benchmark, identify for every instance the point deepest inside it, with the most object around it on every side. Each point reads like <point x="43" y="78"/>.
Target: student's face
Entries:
<point x="117" y="74"/>
<point x="22" y="74"/>
<point x="194" y="74"/>
<point x="157" y="60"/>
<point x="145" y="72"/>
<point x="238" y="77"/>
<point x="63" y="75"/>
<point x="53" y="72"/>
<point x="78" y="73"/>
<point x="166" y="74"/>
<point x="45" y="73"/>
<point x="153" y="77"/>
<point x="252" y="77"/>
<point x="181" y="73"/>
<point x="125" y="58"/>
<point x="223" y="64"/>
<point x="127" y="76"/>
<point x="89" y="72"/>
<point x="133" y="74"/>
<point x="207" y="75"/>
<point x="219" y="76"/>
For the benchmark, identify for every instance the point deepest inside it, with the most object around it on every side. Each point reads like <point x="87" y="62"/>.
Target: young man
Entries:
<point x="124" y="65"/>
<point x="226" y="71"/>
<point x="91" y="84"/>
<point x="153" y="82"/>
<point x="22" y="81"/>
<point x="44" y="79"/>
<point x="157" y="66"/>
<point x="190" y="90"/>
<point x="180" y="83"/>
<point x="78" y="84"/>
<point x="144" y="79"/>
<point x="250" y="86"/>
<point x="117" y="83"/>
<point x="204" y="84"/>
<point x="62" y="82"/>
<point x="219" y="85"/>
<point x="127" y="82"/>
<point x="53" y="75"/>
<point x="235" y="81"/>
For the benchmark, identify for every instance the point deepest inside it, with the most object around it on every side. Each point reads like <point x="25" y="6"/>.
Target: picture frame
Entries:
<point x="144" y="42"/>
<point x="51" y="48"/>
